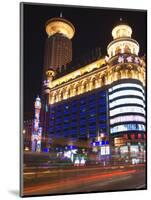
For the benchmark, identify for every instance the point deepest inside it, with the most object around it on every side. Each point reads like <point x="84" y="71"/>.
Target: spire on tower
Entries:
<point x="60" y="14"/>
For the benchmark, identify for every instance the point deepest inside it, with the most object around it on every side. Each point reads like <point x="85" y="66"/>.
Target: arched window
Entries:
<point x="119" y="75"/>
<point x="127" y="49"/>
<point x="61" y="94"/>
<point x="103" y="80"/>
<point x="129" y="74"/>
<point x="93" y="82"/>
<point x="118" y="50"/>
<point x="84" y="86"/>
<point x="68" y="91"/>
<point x="134" y="51"/>
<point x="76" y="86"/>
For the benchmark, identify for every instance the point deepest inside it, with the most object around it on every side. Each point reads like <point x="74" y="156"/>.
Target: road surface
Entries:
<point x="79" y="180"/>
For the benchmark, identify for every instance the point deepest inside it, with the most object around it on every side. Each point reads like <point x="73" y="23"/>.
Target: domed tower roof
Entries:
<point x="122" y="29"/>
<point x="60" y="25"/>
<point x="122" y="40"/>
<point x="38" y="98"/>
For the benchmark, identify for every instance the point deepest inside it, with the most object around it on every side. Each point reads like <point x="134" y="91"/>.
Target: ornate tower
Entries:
<point x="58" y="53"/>
<point x="37" y="130"/>
<point x="126" y="76"/>
<point x="58" y="48"/>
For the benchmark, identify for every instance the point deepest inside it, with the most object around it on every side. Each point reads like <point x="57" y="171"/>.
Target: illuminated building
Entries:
<point x="37" y="130"/>
<point x="126" y="95"/>
<point x="27" y="134"/>
<point x="58" y="46"/>
<point x="106" y="95"/>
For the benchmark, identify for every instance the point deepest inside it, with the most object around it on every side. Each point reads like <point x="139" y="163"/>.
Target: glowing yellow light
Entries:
<point x="50" y="73"/>
<point x="60" y="25"/>
<point x="121" y="31"/>
<point x="26" y="148"/>
<point x="79" y="72"/>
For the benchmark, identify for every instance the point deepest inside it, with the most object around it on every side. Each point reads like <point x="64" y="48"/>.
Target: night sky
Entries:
<point x="93" y="29"/>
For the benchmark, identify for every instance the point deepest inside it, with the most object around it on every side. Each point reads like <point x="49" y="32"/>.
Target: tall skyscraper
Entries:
<point x="58" y="46"/>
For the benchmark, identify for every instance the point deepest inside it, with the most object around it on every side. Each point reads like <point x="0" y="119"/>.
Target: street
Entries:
<point x="86" y="179"/>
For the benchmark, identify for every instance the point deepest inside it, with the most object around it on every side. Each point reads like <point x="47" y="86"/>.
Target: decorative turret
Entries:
<point x="38" y="103"/>
<point x="123" y="59"/>
<point x="37" y="130"/>
<point x="121" y="31"/>
<point x="50" y="74"/>
<point x="122" y="43"/>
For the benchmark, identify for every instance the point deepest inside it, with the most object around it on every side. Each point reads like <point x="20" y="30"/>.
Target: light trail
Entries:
<point x="72" y="182"/>
<point x="79" y="169"/>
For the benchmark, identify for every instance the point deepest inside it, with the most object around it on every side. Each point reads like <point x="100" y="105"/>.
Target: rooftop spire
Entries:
<point x="121" y="19"/>
<point x="60" y="14"/>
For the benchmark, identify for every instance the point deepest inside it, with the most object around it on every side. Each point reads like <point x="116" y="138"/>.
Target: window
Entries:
<point x="73" y="132"/>
<point x="66" y="132"/>
<point x="92" y="120"/>
<point x="102" y="93"/>
<point x="139" y="136"/>
<point x="73" y="124"/>
<point x="102" y="101"/>
<point x="132" y="136"/>
<point x="83" y="101"/>
<point x="102" y="117"/>
<point x="134" y="148"/>
<point x="102" y="126"/>
<point x="102" y="109"/>
<point x="92" y="133"/>
<point x="58" y="120"/>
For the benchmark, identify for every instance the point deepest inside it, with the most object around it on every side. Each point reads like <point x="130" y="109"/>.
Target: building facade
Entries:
<point x="27" y="134"/>
<point x="106" y="96"/>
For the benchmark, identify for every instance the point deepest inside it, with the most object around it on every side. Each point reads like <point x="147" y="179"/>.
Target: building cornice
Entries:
<point x="79" y="72"/>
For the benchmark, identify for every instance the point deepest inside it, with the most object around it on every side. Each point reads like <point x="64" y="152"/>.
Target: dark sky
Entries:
<point x="93" y="29"/>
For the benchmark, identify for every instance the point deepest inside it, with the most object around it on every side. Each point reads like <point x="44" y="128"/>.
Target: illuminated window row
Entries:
<point x="128" y="127"/>
<point x="125" y="85"/>
<point x="127" y="109"/>
<point x="126" y="101"/>
<point x="127" y="119"/>
<point x="126" y="92"/>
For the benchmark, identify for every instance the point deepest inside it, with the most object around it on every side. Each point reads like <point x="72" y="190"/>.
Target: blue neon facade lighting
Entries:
<point x="81" y="117"/>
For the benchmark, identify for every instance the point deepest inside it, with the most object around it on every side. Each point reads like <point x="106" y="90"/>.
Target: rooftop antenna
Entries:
<point x="61" y="14"/>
